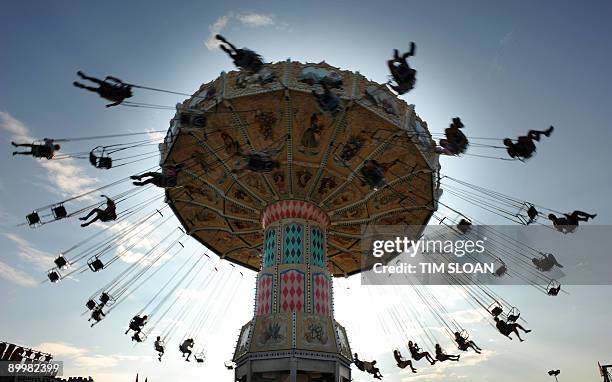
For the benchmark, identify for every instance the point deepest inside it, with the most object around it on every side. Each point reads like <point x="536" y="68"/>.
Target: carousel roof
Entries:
<point x="323" y="158"/>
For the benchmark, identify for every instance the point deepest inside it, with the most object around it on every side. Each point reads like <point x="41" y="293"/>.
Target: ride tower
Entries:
<point x="293" y="335"/>
<point x="281" y="183"/>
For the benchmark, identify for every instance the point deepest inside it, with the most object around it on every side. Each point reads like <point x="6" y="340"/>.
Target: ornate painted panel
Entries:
<point x="293" y="243"/>
<point x="321" y="294"/>
<point x="317" y="247"/>
<point x="269" y="253"/>
<point x="292" y="291"/>
<point x="264" y="294"/>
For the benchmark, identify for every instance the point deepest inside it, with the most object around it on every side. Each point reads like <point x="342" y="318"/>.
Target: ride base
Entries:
<point x="293" y="336"/>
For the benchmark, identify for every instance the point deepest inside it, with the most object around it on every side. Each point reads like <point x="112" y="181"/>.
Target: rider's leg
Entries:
<point x="148" y="181"/>
<point x="145" y="175"/>
<point x="431" y="359"/>
<point x="22" y="144"/>
<point x="91" y="213"/>
<point x="90" y="222"/>
<point x="535" y="134"/>
<point x="522" y="328"/>
<point x="226" y="50"/>
<point x="517" y="334"/>
<point x="80" y="85"/>
<point x="92" y="79"/>
<point x="22" y="152"/>
<point x="582" y="216"/>
<point x="232" y="46"/>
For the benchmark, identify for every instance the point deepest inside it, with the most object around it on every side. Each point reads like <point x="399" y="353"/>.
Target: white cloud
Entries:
<point x="65" y="176"/>
<point x="153" y="134"/>
<point x="132" y="246"/>
<point x="217" y="27"/>
<point x="14" y="126"/>
<point x="467" y="316"/>
<point x="16" y="276"/>
<point x="29" y="253"/>
<point x="60" y="349"/>
<point x="255" y="19"/>
<point x="83" y="361"/>
<point x="446" y="370"/>
<point x="250" y="19"/>
<point x="92" y="362"/>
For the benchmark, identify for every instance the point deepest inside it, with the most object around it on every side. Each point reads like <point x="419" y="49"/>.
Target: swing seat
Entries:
<point x="59" y="212"/>
<point x="90" y="304"/>
<point x="54" y="276"/>
<point x="527" y="214"/>
<point x="464" y="226"/>
<point x="105" y="163"/>
<point x="60" y="262"/>
<point x="106" y="299"/>
<point x="499" y="272"/>
<point x="229" y="365"/>
<point x="495" y="309"/>
<point x="33" y="219"/>
<point x="95" y="265"/>
<point x="553" y="288"/>
<point x="93" y="158"/>
<point x="513" y="315"/>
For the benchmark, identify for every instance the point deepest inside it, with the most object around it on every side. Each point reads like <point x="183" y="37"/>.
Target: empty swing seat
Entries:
<point x="90" y="304"/>
<point x="59" y="212"/>
<point x="553" y="288"/>
<point x="499" y="272"/>
<point x="496" y="311"/>
<point x="95" y="265"/>
<point x="60" y="262"/>
<point x="54" y="276"/>
<point x="33" y="219"/>
<point x="93" y="159"/>
<point x="105" y="298"/>
<point x="105" y="163"/>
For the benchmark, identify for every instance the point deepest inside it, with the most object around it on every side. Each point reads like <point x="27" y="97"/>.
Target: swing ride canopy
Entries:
<point x="222" y="205"/>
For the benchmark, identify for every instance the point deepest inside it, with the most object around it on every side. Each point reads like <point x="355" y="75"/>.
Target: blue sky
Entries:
<point x="503" y="67"/>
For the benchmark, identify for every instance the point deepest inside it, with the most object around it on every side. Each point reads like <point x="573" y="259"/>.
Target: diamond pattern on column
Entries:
<point x="293" y="209"/>
<point x="264" y="294"/>
<point x="270" y="249"/>
<point x="293" y="244"/>
<point x="317" y="247"/>
<point x="292" y="291"/>
<point x="321" y="294"/>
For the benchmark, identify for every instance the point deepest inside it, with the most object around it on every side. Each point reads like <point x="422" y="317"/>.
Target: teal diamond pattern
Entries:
<point x="317" y="246"/>
<point x="270" y="248"/>
<point x="293" y="251"/>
